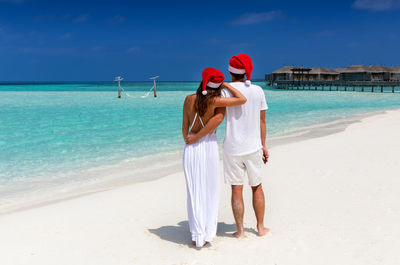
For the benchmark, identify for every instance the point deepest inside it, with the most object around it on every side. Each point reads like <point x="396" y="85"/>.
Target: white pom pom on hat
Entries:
<point x="248" y="82"/>
<point x="204" y="92"/>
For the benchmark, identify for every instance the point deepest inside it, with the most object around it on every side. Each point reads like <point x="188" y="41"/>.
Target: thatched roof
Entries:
<point x="364" y="69"/>
<point x="349" y="69"/>
<point x="324" y="71"/>
<point x="284" y="70"/>
<point x="331" y="71"/>
<point x="378" y="69"/>
<point x="394" y="69"/>
<point x="355" y="69"/>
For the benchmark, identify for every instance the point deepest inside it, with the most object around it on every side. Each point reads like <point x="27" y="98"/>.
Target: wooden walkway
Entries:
<point x="360" y="86"/>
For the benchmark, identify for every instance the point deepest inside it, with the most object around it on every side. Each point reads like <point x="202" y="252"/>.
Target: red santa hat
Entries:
<point x="241" y="64"/>
<point x="212" y="78"/>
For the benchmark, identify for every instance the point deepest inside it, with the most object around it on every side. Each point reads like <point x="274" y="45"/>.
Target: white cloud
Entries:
<point x="325" y="33"/>
<point x="132" y="49"/>
<point x="98" y="48"/>
<point x="117" y="19"/>
<point x="255" y="18"/>
<point x="353" y="44"/>
<point x="12" y="1"/>
<point x="66" y="36"/>
<point x="47" y="50"/>
<point x="82" y="18"/>
<point x="376" y="5"/>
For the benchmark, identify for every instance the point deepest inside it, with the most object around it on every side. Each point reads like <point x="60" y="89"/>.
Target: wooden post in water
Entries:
<point x="372" y="89"/>
<point x="392" y="89"/>
<point x="118" y="79"/>
<point x="155" y="88"/>
<point x="362" y="89"/>
<point x="381" y="89"/>
<point x="154" y="85"/>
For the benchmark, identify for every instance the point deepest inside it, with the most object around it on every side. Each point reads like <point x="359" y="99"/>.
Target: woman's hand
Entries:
<point x="237" y="99"/>
<point x="192" y="138"/>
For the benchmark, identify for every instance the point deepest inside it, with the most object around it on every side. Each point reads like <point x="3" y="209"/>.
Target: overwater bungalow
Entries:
<point x="293" y="73"/>
<point x="365" y="73"/>
<point x="300" y="73"/>
<point x="281" y="74"/>
<point x="355" y="73"/>
<point x="394" y="73"/>
<point x="379" y="73"/>
<point x="372" y="73"/>
<point x="326" y="74"/>
<point x="351" y="77"/>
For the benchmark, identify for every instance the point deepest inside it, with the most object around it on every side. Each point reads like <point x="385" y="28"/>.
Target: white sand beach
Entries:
<point x="330" y="200"/>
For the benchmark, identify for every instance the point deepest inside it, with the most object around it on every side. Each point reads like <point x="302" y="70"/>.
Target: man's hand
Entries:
<point x="191" y="139"/>
<point x="265" y="155"/>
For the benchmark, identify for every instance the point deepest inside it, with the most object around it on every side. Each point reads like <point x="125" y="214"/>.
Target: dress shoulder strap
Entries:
<point x="194" y="120"/>
<point x="202" y="124"/>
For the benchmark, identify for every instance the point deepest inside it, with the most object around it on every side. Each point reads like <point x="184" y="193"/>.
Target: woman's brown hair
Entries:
<point x="202" y="102"/>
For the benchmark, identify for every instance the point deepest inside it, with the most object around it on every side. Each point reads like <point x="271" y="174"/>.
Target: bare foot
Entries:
<point x="207" y="244"/>
<point x="238" y="234"/>
<point x="194" y="243"/>
<point x="262" y="231"/>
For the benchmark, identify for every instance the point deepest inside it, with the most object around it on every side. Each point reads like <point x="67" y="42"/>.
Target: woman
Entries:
<point x="201" y="160"/>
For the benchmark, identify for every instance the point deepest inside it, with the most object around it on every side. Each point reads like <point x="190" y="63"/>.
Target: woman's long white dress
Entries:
<point x="201" y="168"/>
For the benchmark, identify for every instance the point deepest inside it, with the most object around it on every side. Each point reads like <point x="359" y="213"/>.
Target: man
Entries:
<point x="244" y="149"/>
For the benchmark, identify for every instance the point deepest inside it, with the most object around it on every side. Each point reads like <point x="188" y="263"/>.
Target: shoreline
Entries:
<point x="119" y="175"/>
<point x="329" y="200"/>
<point x="321" y="129"/>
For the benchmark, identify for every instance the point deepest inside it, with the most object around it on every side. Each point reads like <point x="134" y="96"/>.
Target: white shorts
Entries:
<point x="235" y="168"/>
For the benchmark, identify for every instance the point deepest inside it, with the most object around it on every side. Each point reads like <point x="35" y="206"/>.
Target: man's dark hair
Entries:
<point x="237" y="76"/>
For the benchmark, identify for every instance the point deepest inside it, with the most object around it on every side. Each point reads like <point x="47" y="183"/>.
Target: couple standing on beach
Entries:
<point x="244" y="149"/>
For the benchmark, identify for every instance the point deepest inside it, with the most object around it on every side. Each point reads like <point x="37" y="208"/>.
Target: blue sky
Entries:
<point x="97" y="40"/>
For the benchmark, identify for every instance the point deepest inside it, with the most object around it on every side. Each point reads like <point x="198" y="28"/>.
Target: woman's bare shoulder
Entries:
<point x="190" y="98"/>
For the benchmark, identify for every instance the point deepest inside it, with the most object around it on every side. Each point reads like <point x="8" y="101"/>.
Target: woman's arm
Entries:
<point x="185" y="119"/>
<point x="237" y="99"/>
<point x="211" y="125"/>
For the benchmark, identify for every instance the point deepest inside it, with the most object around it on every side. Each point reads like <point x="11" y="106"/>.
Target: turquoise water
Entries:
<point x="49" y="128"/>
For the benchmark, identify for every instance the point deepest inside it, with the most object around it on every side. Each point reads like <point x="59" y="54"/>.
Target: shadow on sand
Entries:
<point x="179" y="234"/>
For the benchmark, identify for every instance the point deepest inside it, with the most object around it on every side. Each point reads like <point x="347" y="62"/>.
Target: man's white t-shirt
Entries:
<point x="242" y="134"/>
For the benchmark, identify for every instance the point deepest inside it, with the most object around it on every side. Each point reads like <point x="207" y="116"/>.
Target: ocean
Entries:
<point x="59" y="130"/>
